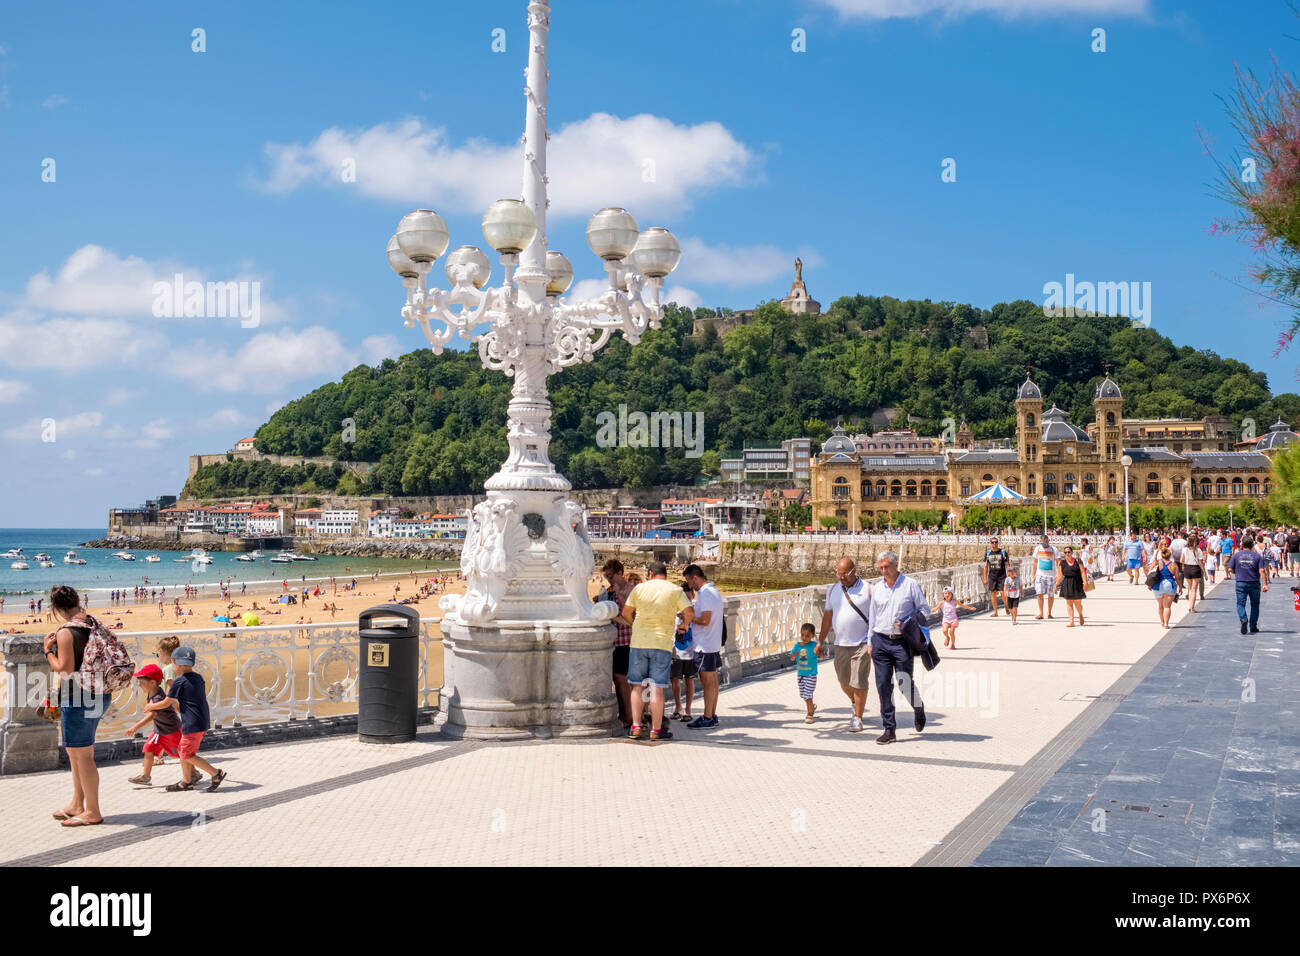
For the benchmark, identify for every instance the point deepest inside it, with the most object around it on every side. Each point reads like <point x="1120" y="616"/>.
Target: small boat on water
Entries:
<point x="13" y="553"/>
<point x="71" y="558"/>
<point x="47" y="563"/>
<point x="284" y="557"/>
<point x="153" y="559"/>
<point x="124" y="555"/>
<point x="42" y="556"/>
<point x="19" y="566"/>
<point x="200" y="556"/>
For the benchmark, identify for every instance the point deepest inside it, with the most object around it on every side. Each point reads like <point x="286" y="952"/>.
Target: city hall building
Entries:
<point x="1052" y="459"/>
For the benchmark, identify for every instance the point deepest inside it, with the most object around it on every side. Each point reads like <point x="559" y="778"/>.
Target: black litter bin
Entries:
<point x="388" y="689"/>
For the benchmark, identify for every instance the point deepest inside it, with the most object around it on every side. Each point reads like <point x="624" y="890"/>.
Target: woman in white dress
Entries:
<point x="1109" y="558"/>
<point x="1088" y="557"/>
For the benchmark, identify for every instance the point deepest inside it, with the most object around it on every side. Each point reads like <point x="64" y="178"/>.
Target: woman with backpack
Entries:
<point x="80" y="708"/>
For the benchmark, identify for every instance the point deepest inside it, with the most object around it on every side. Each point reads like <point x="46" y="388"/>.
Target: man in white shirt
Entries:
<point x="893" y="601"/>
<point x="846" y="613"/>
<point x="707" y="628"/>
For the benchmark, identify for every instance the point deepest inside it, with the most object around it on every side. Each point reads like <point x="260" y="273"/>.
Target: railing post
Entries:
<point x="27" y="742"/>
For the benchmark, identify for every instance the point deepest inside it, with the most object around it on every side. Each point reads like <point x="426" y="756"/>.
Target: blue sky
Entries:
<point x="225" y="165"/>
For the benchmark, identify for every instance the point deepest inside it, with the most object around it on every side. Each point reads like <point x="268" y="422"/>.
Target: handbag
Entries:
<point x="1153" y="579"/>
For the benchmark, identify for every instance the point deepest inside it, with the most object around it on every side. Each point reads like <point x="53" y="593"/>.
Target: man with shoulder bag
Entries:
<point x="846" y="614"/>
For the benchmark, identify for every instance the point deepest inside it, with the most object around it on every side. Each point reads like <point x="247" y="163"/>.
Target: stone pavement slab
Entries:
<point x="1199" y="765"/>
<point x="762" y="788"/>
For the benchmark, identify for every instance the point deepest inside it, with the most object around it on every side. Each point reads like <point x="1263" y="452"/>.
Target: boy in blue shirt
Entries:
<point x="188" y="695"/>
<point x="804" y="653"/>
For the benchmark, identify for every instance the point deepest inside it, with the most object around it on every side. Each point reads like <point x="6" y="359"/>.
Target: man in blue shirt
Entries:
<point x="1250" y="570"/>
<point x="892" y="602"/>
<point x="1133" y="558"/>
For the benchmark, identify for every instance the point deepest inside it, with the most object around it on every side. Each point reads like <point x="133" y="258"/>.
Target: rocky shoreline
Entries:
<point x="350" y="547"/>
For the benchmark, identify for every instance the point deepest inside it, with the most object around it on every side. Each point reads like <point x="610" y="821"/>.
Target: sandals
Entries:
<point x="78" y="822"/>
<point x="217" y="778"/>
<point x="140" y="780"/>
<point x="180" y="785"/>
<point x="677" y="715"/>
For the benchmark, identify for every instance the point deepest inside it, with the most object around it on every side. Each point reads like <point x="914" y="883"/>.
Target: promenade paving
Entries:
<point x="1198" y="766"/>
<point x="762" y="788"/>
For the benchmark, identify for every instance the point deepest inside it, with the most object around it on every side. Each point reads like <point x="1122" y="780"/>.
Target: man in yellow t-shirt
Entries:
<point x="652" y="607"/>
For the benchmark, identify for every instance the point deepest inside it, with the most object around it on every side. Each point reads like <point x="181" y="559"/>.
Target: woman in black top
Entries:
<point x="1070" y="577"/>
<point x="80" y="711"/>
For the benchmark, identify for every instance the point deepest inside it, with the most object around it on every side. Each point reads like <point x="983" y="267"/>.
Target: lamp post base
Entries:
<point x="511" y="680"/>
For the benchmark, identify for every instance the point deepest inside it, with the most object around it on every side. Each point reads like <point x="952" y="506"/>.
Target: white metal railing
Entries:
<point x="276" y="672"/>
<point x="814" y="537"/>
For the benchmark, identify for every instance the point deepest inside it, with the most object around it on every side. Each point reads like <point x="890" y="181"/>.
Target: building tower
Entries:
<point x="1029" y="420"/>
<point x="965" y="437"/>
<point x="1109" y="404"/>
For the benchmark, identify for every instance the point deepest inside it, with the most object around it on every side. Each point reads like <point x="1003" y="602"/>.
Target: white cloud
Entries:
<point x="736" y="265"/>
<point x="643" y="162"/>
<point x="72" y="425"/>
<point x="27" y="339"/>
<point x="96" y="281"/>
<point x="585" y="289"/>
<point x="150" y="435"/>
<point x="12" y="390"/>
<point x="54" y="101"/>
<point x="376" y="348"/>
<point x="687" y="298"/>
<point x="267" y="361"/>
<point x="223" y="418"/>
<point x="889" y="9"/>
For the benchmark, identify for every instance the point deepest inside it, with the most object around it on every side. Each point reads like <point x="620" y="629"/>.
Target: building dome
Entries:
<point x="1108" y="388"/>
<point x="1056" y="427"/>
<point x="1028" y="389"/>
<point x="838" y="443"/>
<point x="1279" y="436"/>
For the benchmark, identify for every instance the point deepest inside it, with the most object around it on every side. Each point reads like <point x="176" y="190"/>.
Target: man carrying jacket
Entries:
<point x="892" y="602"/>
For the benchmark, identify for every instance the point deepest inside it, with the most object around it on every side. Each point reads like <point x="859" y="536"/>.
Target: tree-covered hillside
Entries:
<point x="436" y="424"/>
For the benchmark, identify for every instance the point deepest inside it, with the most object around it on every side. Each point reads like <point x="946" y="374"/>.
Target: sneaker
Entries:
<point x="1254" y="630"/>
<point x="855" y="724"/>
<point x="887" y="737"/>
<point x="664" y="734"/>
<point x="634" y="732"/>
<point x="140" y="780"/>
<point x="702" y="722"/>
<point x="1243" y="627"/>
<point x="920" y="719"/>
<point x="808" y="719"/>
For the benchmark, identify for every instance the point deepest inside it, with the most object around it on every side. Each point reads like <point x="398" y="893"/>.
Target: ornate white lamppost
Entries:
<point x="526" y="652"/>
<point x="1127" y="462"/>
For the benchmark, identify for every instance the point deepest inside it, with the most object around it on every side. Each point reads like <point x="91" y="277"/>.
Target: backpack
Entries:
<point x="106" y="665"/>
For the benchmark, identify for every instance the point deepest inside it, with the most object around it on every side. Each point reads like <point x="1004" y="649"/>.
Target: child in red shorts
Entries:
<point x="188" y="695"/>
<point x="166" y="736"/>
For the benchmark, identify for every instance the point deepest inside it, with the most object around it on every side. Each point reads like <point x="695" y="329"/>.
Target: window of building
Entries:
<point x="1049" y="484"/>
<point x="1032" y="485"/>
<point x="1089" y="484"/>
<point x="1177" y="486"/>
<point x="880" y="488"/>
<point x="896" y="489"/>
<point x="1029" y="420"/>
<point x="987" y="480"/>
<point x="841" y="488"/>
<point x="866" y="489"/>
<point x="941" y="489"/>
<point x="1221" y="487"/>
<point x="1253" y="486"/>
<point x="1110" y="419"/>
<point x="911" y="488"/>
<point x="925" y="488"/>
<point x="1238" y="486"/>
<point x="1153" y="483"/>
<point x="965" y="489"/>
<point x="1068" y="486"/>
<point x="1205" y="487"/>
<point x="1033" y="452"/>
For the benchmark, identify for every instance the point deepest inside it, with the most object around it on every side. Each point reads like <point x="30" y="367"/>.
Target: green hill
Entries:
<point x="436" y="424"/>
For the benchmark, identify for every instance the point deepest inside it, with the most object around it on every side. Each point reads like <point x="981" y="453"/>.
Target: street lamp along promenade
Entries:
<point x="526" y="556"/>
